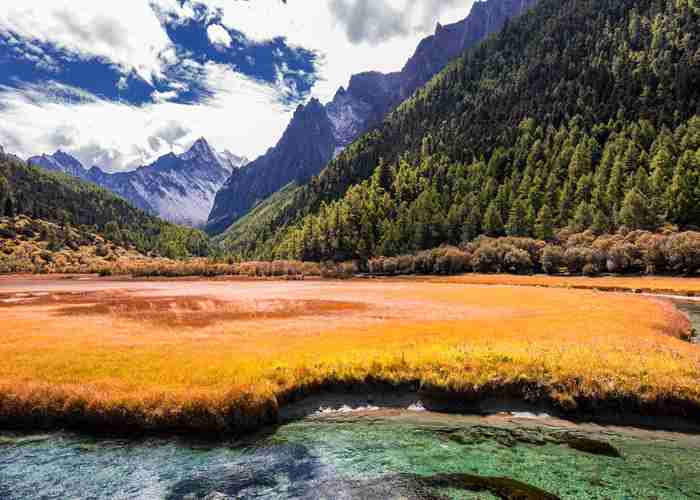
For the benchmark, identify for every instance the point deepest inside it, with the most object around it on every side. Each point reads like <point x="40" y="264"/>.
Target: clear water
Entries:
<point x="364" y="458"/>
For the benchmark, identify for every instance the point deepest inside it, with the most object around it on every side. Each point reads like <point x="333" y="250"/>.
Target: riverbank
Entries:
<point x="226" y="357"/>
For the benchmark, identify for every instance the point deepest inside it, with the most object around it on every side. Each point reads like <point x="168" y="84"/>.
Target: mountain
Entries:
<point x="581" y="115"/>
<point x="178" y="188"/>
<point x="66" y="200"/>
<point x="307" y="144"/>
<point x="60" y="162"/>
<point x="318" y="133"/>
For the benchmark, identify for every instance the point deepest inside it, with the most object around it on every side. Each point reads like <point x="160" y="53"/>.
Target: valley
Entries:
<point x="463" y="263"/>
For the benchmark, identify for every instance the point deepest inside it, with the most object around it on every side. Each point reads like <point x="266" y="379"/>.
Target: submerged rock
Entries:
<point x="511" y="437"/>
<point x="591" y="446"/>
<point x="502" y="487"/>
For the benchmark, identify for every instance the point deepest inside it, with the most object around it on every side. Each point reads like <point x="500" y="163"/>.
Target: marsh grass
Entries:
<point x="129" y="369"/>
<point x="660" y="285"/>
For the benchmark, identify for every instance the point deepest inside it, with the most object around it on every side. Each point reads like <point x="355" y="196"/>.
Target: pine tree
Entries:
<point x="493" y="223"/>
<point x="517" y="219"/>
<point x="601" y="223"/>
<point x="566" y="203"/>
<point x="383" y="176"/>
<point x="582" y="161"/>
<point x="472" y="224"/>
<point x="661" y="170"/>
<point x="582" y="219"/>
<point x="616" y="184"/>
<point x="544" y="228"/>
<point x="530" y="219"/>
<point x="641" y="181"/>
<point x="634" y="212"/>
<point x="455" y="222"/>
<point x="682" y="196"/>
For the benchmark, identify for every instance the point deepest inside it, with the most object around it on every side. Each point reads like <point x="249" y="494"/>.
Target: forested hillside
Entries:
<point x="28" y="190"/>
<point x="318" y="132"/>
<point x="578" y="115"/>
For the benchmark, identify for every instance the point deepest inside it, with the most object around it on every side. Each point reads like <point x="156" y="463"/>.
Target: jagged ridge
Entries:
<point x="178" y="188"/>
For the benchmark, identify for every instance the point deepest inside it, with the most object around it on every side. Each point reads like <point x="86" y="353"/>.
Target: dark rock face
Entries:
<point x="308" y="142"/>
<point x="308" y="145"/>
<point x="177" y="188"/>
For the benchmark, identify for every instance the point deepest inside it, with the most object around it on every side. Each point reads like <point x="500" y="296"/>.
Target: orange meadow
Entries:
<point x="224" y="356"/>
<point x="639" y="284"/>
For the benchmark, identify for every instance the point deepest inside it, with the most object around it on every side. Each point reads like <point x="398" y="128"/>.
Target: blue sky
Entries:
<point x="120" y="83"/>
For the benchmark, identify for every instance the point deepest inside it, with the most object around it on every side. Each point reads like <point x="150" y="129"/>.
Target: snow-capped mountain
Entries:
<point x="177" y="188"/>
<point x="318" y="133"/>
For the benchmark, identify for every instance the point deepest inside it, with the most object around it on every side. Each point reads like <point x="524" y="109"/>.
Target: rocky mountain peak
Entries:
<point x="200" y="150"/>
<point x="178" y="188"/>
<point x="61" y="162"/>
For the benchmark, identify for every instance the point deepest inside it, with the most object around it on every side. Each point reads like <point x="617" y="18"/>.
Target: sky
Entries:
<point x="118" y="84"/>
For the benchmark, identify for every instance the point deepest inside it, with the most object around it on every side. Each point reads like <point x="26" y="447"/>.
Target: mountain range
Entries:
<point x="65" y="200"/>
<point x="317" y="133"/>
<point x="177" y="188"/>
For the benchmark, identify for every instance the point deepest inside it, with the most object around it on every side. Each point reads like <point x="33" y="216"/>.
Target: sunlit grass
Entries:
<point x="640" y="284"/>
<point x="135" y="363"/>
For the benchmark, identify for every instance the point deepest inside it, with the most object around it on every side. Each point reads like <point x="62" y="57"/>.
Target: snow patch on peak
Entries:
<point x="203" y="153"/>
<point x="200" y="150"/>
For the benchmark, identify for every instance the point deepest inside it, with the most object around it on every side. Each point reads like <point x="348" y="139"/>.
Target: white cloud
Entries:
<point x="127" y="33"/>
<point x="218" y="35"/>
<point x="319" y="27"/>
<point x="243" y="116"/>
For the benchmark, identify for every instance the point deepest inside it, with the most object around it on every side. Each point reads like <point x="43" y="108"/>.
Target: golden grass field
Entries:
<point x="641" y="284"/>
<point x="224" y="355"/>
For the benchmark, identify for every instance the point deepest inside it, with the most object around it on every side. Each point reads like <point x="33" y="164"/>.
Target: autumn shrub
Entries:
<point x="533" y="247"/>
<point x="333" y="270"/>
<point x="552" y="259"/>
<point x="451" y="260"/>
<point x="623" y="258"/>
<point x="390" y="266"/>
<point x="582" y="240"/>
<point x="405" y="264"/>
<point x="576" y="258"/>
<point x="683" y="252"/>
<point x="653" y="255"/>
<point x="424" y="262"/>
<point x="486" y="259"/>
<point x="517" y="261"/>
<point x="376" y="265"/>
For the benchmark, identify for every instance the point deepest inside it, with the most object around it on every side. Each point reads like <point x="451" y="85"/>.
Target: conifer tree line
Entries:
<point x="630" y="176"/>
<point x="579" y="115"/>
